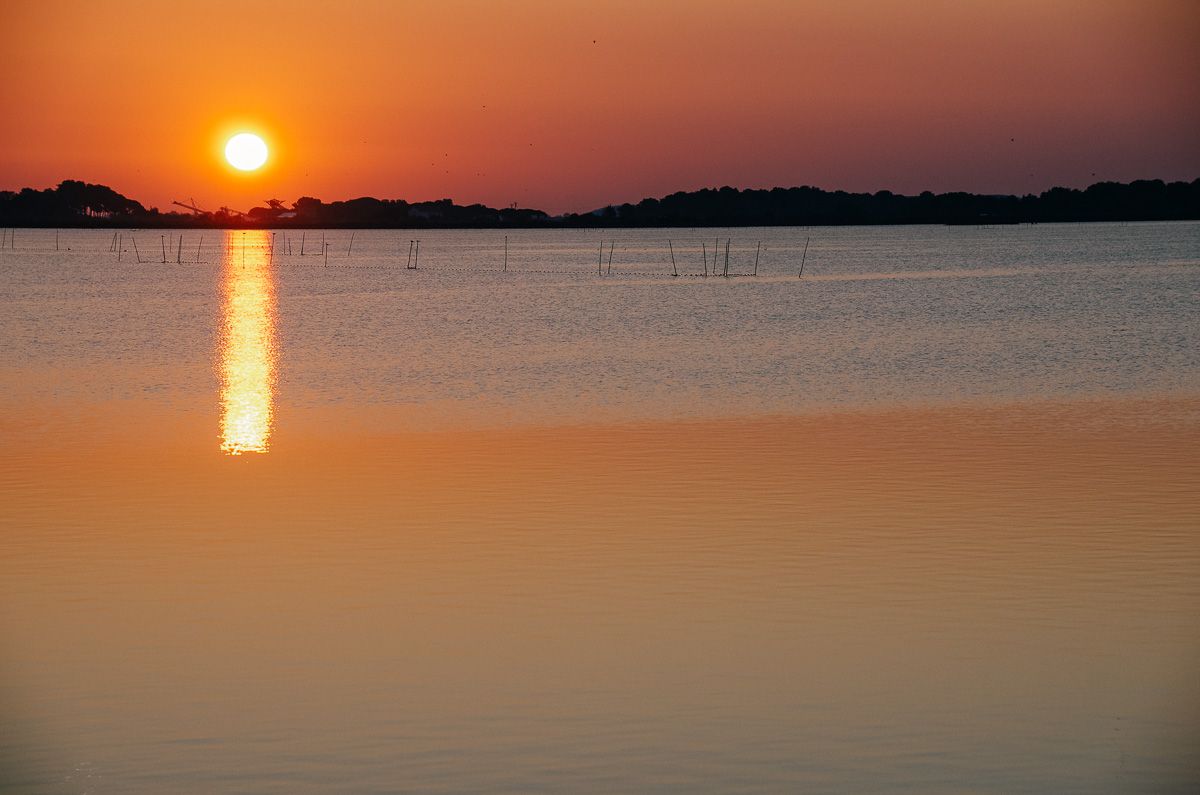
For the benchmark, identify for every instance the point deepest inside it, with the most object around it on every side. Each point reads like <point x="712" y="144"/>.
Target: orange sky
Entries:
<point x="569" y="106"/>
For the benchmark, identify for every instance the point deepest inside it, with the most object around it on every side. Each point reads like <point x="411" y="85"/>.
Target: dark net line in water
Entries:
<point x="537" y="271"/>
<point x="171" y="251"/>
<point x="343" y="266"/>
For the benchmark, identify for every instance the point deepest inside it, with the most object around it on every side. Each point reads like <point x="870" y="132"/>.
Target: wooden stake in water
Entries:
<point x="120" y="245"/>
<point x="408" y="262"/>
<point x="350" y="247"/>
<point x="611" y="246"/>
<point x="179" y="251"/>
<point x="416" y="255"/>
<point x="136" y="253"/>
<point x="600" y="262"/>
<point x="674" y="270"/>
<point x="198" y="245"/>
<point x="163" y="239"/>
<point x="506" y="253"/>
<point x="757" y="251"/>
<point x="302" y="236"/>
<point x="704" y="255"/>
<point x="804" y="257"/>
<point x="726" y="274"/>
<point x="56" y="240"/>
<point x="326" y="247"/>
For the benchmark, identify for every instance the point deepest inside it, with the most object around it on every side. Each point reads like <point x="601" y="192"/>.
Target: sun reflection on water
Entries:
<point x="247" y="344"/>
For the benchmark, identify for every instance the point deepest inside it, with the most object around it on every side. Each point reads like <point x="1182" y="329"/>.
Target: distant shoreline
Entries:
<point x="78" y="205"/>
<point x="557" y="227"/>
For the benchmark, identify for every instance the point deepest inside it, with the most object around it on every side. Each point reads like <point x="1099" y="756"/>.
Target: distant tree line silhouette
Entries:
<point x="79" y="204"/>
<point x="1143" y="200"/>
<point x="72" y="203"/>
<point x="396" y="213"/>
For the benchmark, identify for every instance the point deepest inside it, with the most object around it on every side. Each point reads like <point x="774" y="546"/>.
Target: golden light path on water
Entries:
<point x="247" y="344"/>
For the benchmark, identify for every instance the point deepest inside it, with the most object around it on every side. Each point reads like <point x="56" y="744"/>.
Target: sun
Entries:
<point x="246" y="151"/>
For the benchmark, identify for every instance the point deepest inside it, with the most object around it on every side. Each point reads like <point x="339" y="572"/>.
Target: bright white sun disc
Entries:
<point x="246" y="151"/>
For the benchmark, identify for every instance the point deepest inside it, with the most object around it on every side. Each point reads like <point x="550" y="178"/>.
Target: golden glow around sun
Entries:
<point x="246" y="151"/>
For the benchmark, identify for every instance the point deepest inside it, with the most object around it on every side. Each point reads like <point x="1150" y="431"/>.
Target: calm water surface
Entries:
<point x="925" y="520"/>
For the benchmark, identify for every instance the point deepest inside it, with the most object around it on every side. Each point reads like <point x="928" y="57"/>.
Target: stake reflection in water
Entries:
<point x="247" y="344"/>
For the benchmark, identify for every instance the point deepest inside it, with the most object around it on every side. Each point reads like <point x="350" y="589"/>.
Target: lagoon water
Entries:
<point x="924" y="520"/>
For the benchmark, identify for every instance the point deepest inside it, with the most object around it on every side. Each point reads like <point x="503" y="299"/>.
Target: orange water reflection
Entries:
<point x="248" y="347"/>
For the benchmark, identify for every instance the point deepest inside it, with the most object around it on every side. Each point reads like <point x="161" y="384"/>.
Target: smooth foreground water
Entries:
<point x="926" y="520"/>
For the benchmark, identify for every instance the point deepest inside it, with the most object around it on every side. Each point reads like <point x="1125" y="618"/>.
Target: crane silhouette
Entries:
<point x="191" y="206"/>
